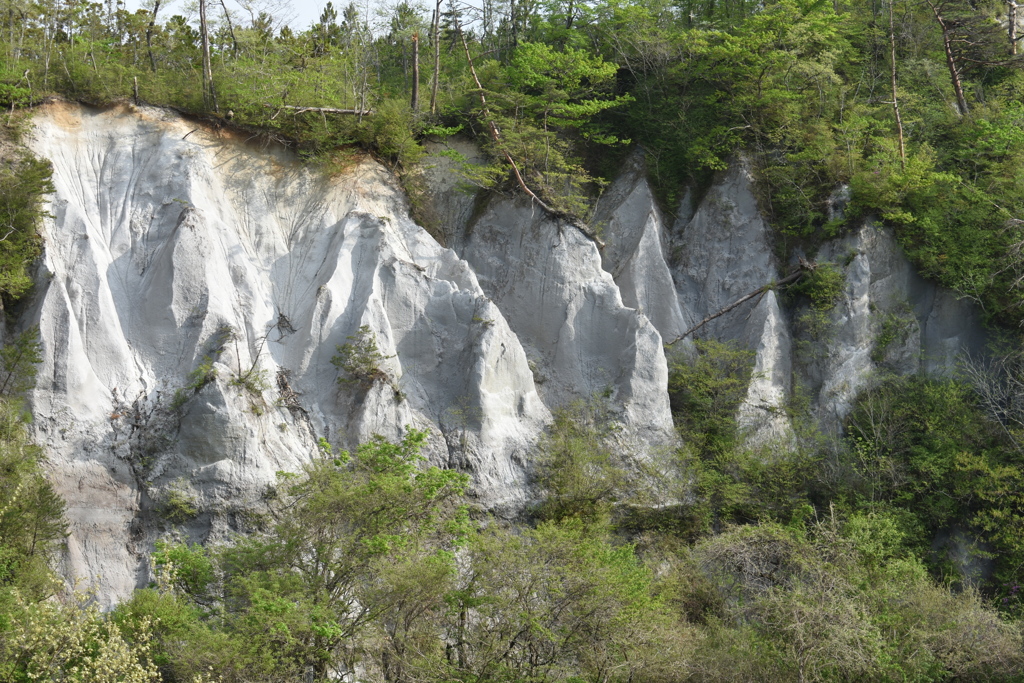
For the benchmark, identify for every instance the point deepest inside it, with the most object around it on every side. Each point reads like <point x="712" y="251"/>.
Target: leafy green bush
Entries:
<point x="954" y="230"/>
<point x="838" y="600"/>
<point x="360" y="359"/>
<point x="17" y="363"/>
<point x="178" y="505"/>
<point x="735" y="483"/>
<point x="32" y="521"/>
<point x="32" y="515"/>
<point x="352" y="536"/>
<point x="823" y="286"/>
<point x="188" y="567"/>
<point x="254" y="381"/>
<point x="706" y="392"/>
<point x="60" y="640"/>
<point x="923" y="450"/>
<point x="894" y="328"/>
<point x="545" y="102"/>
<point x="393" y="128"/>
<point x="203" y="374"/>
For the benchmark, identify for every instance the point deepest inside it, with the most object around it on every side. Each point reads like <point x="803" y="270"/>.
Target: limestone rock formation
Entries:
<point x="196" y="287"/>
<point x="889" y="319"/>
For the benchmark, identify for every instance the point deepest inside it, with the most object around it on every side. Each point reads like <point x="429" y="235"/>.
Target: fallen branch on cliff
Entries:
<point x="321" y="110"/>
<point x="805" y="267"/>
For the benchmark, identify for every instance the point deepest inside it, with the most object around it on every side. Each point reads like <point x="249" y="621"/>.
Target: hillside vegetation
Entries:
<point x="915" y="104"/>
<point x="892" y="552"/>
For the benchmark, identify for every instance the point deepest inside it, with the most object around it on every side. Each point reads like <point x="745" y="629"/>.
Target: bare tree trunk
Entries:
<point x="415" y="104"/>
<point x="209" y="95"/>
<point x="760" y="291"/>
<point x="231" y="29"/>
<point x="436" y="32"/>
<point x="895" y="101"/>
<point x="954" y="73"/>
<point x="320" y="110"/>
<point x="1011" y="25"/>
<point x="514" y="20"/>
<point x="149" y="35"/>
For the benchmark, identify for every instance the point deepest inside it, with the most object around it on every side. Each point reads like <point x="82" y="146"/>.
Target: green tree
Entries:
<point x="558" y="603"/>
<point x="924" y="450"/>
<point x="545" y="103"/>
<point x="23" y="182"/>
<point x="839" y="600"/>
<point x="353" y="535"/>
<point x="577" y="469"/>
<point x="32" y="523"/>
<point x="72" y="641"/>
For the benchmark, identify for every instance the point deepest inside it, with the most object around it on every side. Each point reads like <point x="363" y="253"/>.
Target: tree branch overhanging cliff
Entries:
<point x="805" y="267"/>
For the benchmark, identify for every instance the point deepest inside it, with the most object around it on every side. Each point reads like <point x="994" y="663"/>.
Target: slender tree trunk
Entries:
<point x="1011" y="25"/>
<point x="461" y="643"/>
<point x="513" y="15"/>
<point x="149" y="35"/>
<point x="415" y="104"/>
<point x="895" y="101"/>
<point x="231" y="29"/>
<point x="954" y="73"/>
<point x="209" y="95"/>
<point x="436" y="31"/>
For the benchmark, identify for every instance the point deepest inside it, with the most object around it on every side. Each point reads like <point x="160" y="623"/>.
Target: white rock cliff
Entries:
<point x="195" y="288"/>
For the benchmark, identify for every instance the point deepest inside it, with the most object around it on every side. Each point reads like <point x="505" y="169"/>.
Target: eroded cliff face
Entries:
<point x="171" y="245"/>
<point x="195" y="288"/>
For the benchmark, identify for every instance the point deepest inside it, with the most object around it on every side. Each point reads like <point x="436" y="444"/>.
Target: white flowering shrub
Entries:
<point x="72" y="641"/>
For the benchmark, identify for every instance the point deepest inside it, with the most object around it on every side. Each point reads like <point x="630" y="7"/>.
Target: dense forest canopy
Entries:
<point x="915" y="105"/>
<point x="825" y="558"/>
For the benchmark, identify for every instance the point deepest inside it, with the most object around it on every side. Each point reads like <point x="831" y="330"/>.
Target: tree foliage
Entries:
<point x="812" y="560"/>
<point x="24" y="180"/>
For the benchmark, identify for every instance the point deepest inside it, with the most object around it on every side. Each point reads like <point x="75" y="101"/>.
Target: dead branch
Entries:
<point x="760" y="291"/>
<point x="998" y="383"/>
<point x="321" y="110"/>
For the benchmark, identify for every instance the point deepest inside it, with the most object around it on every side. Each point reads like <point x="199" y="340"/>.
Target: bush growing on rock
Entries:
<point x="360" y="359"/>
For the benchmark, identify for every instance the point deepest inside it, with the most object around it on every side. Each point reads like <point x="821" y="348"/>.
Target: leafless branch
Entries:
<point x="789" y="279"/>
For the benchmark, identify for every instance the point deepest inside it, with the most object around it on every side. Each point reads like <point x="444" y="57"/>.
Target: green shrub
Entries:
<point x="705" y="393"/>
<point x="203" y="374"/>
<point x="179" y="505"/>
<point x="360" y="359"/>
<point x="17" y="363"/>
<point x="923" y="451"/>
<point x="836" y="600"/>
<point x="189" y="568"/>
<point x="894" y="328"/>
<point x="253" y="381"/>
<point x="823" y="286"/>
<point x="393" y="131"/>
<point x="32" y="516"/>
